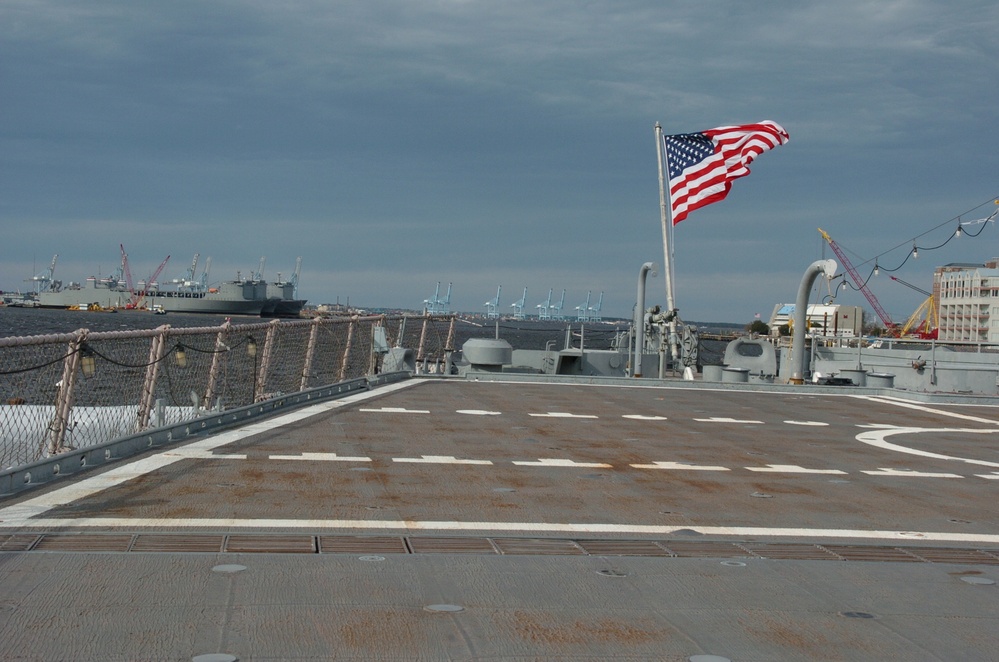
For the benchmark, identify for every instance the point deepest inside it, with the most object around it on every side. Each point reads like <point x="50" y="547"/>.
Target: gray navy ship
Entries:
<point x="190" y="294"/>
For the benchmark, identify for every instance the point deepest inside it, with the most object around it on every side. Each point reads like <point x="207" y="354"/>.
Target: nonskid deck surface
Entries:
<point x="562" y="519"/>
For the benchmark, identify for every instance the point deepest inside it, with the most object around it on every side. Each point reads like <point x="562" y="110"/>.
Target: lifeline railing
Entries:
<point x="67" y="391"/>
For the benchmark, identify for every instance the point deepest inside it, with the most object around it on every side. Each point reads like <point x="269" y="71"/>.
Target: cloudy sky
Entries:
<point x="394" y="144"/>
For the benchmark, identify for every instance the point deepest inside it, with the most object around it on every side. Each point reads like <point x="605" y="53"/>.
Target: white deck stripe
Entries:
<point x="438" y="459"/>
<point x="562" y="414"/>
<point x="679" y="466"/>
<point x="716" y="419"/>
<point x="320" y="457"/>
<point x="534" y="527"/>
<point x="907" y="473"/>
<point x="793" y="469"/>
<point x="542" y="462"/>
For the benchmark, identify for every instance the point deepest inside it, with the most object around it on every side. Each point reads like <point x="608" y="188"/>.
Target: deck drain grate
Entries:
<point x="270" y="544"/>
<point x="871" y="553"/>
<point x="18" y="542"/>
<point x="622" y="548"/>
<point x="84" y="542"/>
<point x="798" y="552"/>
<point x="705" y="549"/>
<point x="151" y="542"/>
<point x="362" y="545"/>
<point x="287" y="543"/>
<point x="538" y="546"/>
<point x="944" y="555"/>
<point x="453" y="545"/>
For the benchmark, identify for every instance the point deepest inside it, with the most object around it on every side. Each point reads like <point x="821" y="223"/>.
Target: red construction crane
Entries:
<point x="137" y="303"/>
<point x="861" y="285"/>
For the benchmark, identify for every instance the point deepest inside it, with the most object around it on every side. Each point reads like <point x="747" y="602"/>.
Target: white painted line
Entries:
<point x="396" y="410"/>
<point x="478" y="412"/>
<point x="320" y="457"/>
<point x="535" y="527"/>
<point x="794" y="469"/>
<point x="911" y="405"/>
<point x="725" y="420"/>
<point x="562" y="414"/>
<point x="811" y="423"/>
<point x="877" y="438"/>
<point x="642" y="417"/>
<point x="679" y="466"/>
<point x="542" y="462"/>
<point x="992" y="476"/>
<point x="438" y="459"/>
<point x="203" y="455"/>
<point x="888" y="471"/>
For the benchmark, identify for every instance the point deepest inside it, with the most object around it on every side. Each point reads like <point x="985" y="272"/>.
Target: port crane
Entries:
<point x="492" y="307"/>
<point x="518" y="306"/>
<point x="545" y="307"/>
<point x="882" y="314"/>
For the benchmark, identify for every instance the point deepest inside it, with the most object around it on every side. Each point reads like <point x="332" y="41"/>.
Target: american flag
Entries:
<point x="703" y="165"/>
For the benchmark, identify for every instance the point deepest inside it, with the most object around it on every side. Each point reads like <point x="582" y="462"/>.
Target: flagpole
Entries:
<point x="666" y="217"/>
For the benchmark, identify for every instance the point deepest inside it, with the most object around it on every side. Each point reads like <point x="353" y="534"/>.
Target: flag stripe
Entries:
<point x="703" y="165"/>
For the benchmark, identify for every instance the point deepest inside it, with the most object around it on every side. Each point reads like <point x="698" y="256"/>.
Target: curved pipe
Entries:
<point x="827" y="267"/>
<point x="640" y="318"/>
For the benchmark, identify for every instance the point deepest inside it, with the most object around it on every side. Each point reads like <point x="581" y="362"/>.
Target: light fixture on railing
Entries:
<point x="251" y="346"/>
<point x="180" y="356"/>
<point x="88" y="361"/>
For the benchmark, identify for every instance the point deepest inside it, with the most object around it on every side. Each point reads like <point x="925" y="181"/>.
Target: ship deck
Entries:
<point x="452" y="519"/>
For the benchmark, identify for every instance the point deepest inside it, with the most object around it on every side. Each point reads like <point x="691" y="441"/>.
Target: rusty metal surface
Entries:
<point x="551" y="522"/>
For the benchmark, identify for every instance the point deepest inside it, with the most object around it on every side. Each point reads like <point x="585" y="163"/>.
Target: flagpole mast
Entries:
<point x="666" y="217"/>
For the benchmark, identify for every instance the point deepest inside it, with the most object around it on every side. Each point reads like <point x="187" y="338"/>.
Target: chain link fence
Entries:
<point x="68" y="391"/>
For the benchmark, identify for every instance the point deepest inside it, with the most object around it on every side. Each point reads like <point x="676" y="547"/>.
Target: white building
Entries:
<point x="967" y="301"/>
<point x="827" y="320"/>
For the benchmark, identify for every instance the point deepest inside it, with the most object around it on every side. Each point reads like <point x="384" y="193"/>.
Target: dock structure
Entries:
<point x="503" y="516"/>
